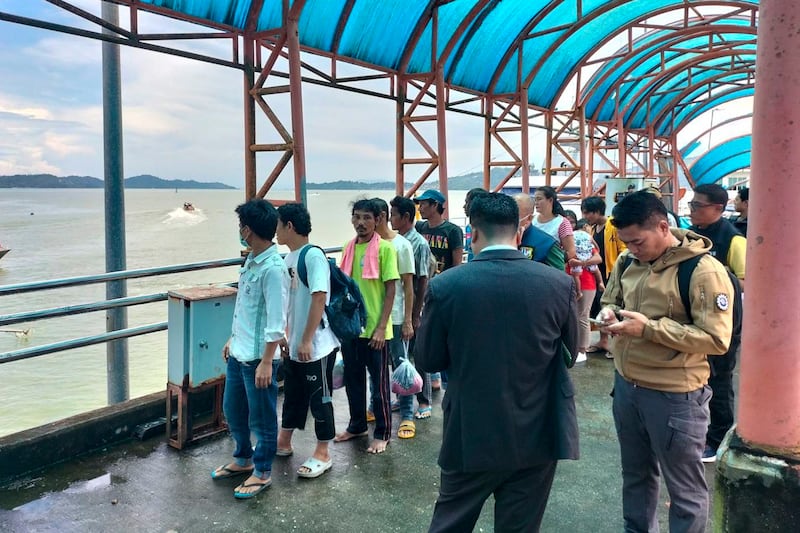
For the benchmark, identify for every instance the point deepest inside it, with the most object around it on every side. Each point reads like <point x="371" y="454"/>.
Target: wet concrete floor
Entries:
<point x="150" y="487"/>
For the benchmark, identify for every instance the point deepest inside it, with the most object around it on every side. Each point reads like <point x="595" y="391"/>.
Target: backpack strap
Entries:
<point x="685" y="270"/>
<point x="302" y="270"/>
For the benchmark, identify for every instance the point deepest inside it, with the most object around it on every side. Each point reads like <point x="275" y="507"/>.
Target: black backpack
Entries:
<point x="346" y="313"/>
<point x="685" y="270"/>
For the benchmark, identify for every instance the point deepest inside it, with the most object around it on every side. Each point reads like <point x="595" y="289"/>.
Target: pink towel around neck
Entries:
<point x="370" y="270"/>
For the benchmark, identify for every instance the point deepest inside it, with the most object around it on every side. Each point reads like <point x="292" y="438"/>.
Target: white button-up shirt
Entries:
<point x="261" y="305"/>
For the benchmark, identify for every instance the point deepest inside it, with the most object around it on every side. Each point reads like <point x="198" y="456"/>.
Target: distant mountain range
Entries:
<point x="145" y="181"/>
<point x="463" y="182"/>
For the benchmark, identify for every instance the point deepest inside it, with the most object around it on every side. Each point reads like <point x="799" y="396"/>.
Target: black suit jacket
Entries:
<point x="495" y="325"/>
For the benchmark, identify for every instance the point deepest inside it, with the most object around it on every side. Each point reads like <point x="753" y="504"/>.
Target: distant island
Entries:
<point x="463" y="182"/>
<point x="145" y="181"/>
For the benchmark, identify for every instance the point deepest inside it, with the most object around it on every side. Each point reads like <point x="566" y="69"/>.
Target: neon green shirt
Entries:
<point x="373" y="290"/>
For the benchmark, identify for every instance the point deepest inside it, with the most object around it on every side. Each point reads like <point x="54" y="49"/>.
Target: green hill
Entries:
<point x="49" y="181"/>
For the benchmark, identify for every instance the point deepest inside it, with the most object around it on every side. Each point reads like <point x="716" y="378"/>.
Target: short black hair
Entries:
<point x="298" y="215"/>
<point x="365" y="204"/>
<point x="640" y="207"/>
<point x="471" y="194"/>
<point x="260" y="216"/>
<point x="383" y="207"/>
<point x="405" y="206"/>
<point x="593" y="204"/>
<point x="716" y="193"/>
<point x="744" y="193"/>
<point x="495" y="214"/>
<point x="582" y="223"/>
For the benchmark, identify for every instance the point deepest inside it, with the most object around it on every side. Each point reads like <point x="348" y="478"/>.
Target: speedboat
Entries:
<point x="187" y="206"/>
<point x="3" y="251"/>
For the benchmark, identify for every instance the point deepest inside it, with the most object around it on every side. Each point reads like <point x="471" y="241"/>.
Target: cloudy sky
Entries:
<point x="182" y="119"/>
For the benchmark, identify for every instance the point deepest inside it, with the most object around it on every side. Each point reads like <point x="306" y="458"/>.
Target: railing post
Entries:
<point x="116" y="351"/>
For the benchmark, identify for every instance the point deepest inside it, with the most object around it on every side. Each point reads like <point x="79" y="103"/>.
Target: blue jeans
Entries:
<point x="250" y="409"/>
<point x="406" y="403"/>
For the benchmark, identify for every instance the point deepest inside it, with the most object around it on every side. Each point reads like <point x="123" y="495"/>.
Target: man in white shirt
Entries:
<point x="252" y="352"/>
<point x="311" y="349"/>
<point x="401" y="311"/>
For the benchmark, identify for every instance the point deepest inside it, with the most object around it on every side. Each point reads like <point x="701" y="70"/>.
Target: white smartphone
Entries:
<point x="598" y="322"/>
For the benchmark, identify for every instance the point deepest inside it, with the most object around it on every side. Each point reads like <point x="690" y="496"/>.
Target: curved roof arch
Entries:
<point x="686" y="82"/>
<point x="694" y="110"/>
<point x="619" y="78"/>
<point x="723" y="159"/>
<point x="699" y="91"/>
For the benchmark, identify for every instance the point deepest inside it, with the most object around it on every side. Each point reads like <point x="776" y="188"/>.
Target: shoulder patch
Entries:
<point x="721" y="301"/>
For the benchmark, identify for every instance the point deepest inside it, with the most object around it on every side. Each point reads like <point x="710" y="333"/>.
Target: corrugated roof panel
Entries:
<point x="229" y="12"/>
<point x="496" y="33"/>
<point x="450" y="17"/>
<point x="723" y="159"/>
<point x="377" y="32"/>
<point x="318" y="22"/>
<point x="559" y="65"/>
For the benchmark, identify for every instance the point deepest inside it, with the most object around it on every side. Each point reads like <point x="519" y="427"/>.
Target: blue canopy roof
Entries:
<point x="723" y="159"/>
<point x="665" y="77"/>
<point x="396" y="34"/>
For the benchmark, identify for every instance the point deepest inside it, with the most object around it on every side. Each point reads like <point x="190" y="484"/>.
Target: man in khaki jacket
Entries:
<point x="660" y="386"/>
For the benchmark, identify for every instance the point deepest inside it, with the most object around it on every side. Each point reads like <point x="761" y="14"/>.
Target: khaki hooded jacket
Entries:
<point x="671" y="354"/>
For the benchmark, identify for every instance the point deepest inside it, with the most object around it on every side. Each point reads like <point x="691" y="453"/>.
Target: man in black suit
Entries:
<point x="496" y="325"/>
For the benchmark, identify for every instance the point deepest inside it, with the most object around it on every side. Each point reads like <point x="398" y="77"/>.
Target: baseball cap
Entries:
<point x="431" y="195"/>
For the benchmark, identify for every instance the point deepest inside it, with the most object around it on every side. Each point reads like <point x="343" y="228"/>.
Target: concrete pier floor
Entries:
<point x="149" y="487"/>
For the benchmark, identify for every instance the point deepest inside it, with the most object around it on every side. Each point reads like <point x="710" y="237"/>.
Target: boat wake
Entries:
<point x="181" y="217"/>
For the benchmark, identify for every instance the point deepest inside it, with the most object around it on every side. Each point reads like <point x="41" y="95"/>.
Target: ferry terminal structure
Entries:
<point x="533" y="56"/>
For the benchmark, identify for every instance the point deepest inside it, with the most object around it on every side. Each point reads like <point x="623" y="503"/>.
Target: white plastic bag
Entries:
<point x="405" y="378"/>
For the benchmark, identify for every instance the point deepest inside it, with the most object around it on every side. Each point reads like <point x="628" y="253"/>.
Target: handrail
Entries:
<point x="112" y="276"/>
<point x="80" y="342"/>
<point x="54" y="312"/>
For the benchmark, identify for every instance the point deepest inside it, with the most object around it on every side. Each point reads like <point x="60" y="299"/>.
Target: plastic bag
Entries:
<point x="405" y="378"/>
<point x="338" y="372"/>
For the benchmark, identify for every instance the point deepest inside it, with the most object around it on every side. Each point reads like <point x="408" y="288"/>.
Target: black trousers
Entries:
<point x="358" y="358"/>
<point x="520" y="499"/>
<point x="722" y="402"/>
<point x="309" y="385"/>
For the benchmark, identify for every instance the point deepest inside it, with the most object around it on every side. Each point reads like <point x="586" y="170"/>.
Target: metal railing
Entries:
<point x="80" y="342"/>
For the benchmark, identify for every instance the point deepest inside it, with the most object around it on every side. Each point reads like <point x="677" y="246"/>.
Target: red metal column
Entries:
<point x="757" y="486"/>
<point x="400" y="138"/>
<point x="488" y="104"/>
<point x="296" y="92"/>
<point x="249" y="119"/>
<point x="769" y="410"/>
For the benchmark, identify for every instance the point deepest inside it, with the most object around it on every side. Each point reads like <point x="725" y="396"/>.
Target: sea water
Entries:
<point x="59" y="233"/>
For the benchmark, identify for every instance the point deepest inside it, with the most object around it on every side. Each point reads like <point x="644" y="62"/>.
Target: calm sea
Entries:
<point x="59" y="233"/>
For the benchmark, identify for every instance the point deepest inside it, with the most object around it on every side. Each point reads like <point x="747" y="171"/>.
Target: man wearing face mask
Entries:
<point x="252" y="353"/>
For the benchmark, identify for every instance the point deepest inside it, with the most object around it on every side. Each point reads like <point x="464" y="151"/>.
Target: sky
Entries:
<point x="183" y="119"/>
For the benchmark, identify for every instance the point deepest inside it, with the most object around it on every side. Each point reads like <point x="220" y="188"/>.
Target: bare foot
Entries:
<point x="346" y="435"/>
<point x="378" y="446"/>
<point x="285" y="440"/>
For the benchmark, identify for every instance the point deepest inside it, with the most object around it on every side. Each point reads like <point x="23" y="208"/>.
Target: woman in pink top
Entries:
<point x="550" y="219"/>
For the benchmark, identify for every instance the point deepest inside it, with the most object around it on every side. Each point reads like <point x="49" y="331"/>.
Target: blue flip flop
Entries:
<point x="247" y="495"/>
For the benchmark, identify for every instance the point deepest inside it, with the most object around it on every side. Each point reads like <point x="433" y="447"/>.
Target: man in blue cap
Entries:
<point x="445" y="238"/>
